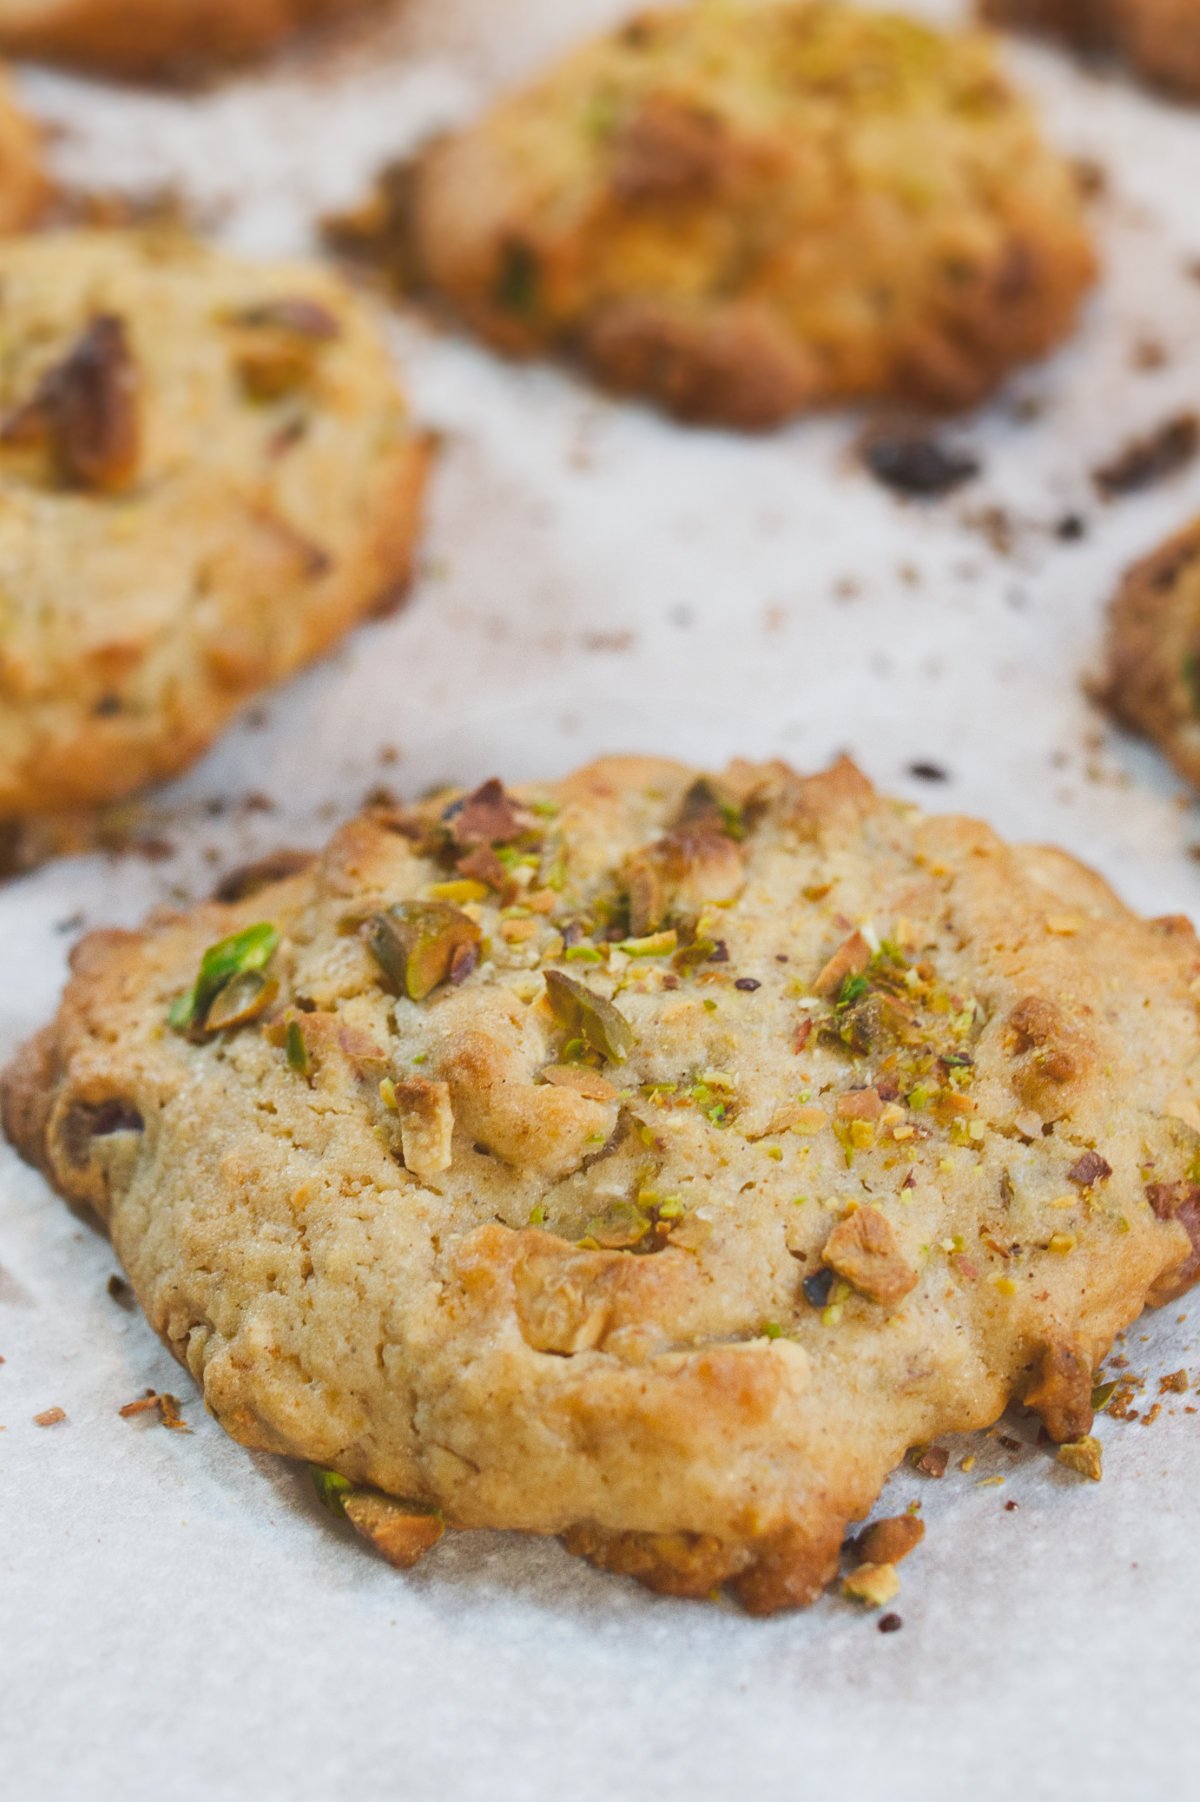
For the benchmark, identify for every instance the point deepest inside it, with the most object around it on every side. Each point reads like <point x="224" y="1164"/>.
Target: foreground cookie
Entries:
<point x="206" y="477"/>
<point x="1152" y="678"/>
<point x="647" y="1159"/>
<point x="24" y="186"/>
<point x="158" y="37"/>
<point x="745" y="211"/>
<point x="1160" y="39"/>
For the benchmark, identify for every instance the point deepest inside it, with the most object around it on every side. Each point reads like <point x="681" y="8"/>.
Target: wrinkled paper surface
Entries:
<point x="180" y="1620"/>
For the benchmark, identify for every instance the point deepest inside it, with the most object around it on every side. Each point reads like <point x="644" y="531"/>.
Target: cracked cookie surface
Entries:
<point x="224" y="449"/>
<point x="648" y="1159"/>
<point x="159" y="37"/>
<point x="742" y="212"/>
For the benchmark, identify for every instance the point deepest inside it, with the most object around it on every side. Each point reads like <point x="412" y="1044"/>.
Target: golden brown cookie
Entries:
<point x="744" y="211"/>
<point x="24" y="184"/>
<point x="158" y="37"/>
<point x="1151" y="681"/>
<point x="645" y="1158"/>
<point x="1160" y="39"/>
<point x="207" y="476"/>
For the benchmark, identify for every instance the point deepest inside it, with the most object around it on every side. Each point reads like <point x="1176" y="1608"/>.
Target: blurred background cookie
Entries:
<point x="24" y="185"/>
<point x="1160" y="39"/>
<point x="158" y="37"/>
<point x="1152" y="680"/>
<point x="744" y="211"/>
<point x="207" y="475"/>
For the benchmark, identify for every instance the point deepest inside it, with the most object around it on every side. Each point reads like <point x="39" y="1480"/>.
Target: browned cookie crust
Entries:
<point x="1152" y="677"/>
<point x="1160" y="39"/>
<point x="644" y="1159"/>
<point x="742" y="212"/>
<point x="224" y="448"/>
<point x="158" y="37"/>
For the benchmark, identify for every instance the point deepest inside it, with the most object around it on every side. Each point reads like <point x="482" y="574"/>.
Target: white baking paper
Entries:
<point x="178" y="1619"/>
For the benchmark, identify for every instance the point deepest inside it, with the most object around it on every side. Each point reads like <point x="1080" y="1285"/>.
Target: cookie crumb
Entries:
<point x="890" y="1541"/>
<point x="918" y="466"/>
<point x="167" y="1407"/>
<point x="50" y="1417"/>
<point x="872" y="1584"/>
<point x="932" y="1460"/>
<point x="1147" y="461"/>
<point x="1084" y="1456"/>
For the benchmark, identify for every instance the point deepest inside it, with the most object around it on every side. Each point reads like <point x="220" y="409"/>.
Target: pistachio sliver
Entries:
<point x="419" y="944"/>
<point x="654" y="944"/>
<point x="332" y="1488"/>
<point x="619" y="1228"/>
<point x="242" y="998"/>
<point x="583" y="1013"/>
<point x="296" y="1051"/>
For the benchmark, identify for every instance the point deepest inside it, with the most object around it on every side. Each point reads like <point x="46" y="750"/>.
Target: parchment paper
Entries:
<point x="179" y="1619"/>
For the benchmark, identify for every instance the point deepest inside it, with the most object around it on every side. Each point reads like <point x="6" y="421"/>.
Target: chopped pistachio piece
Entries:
<point x="655" y="944"/>
<point x="402" y="1532"/>
<point x="240" y="1000"/>
<point x="872" y="1584"/>
<point x="602" y="1027"/>
<point x="1084" y="1456"/>
<point x="332" y="1489"/>
<point x="419" y="944"/>
<point x="243" y="954"/>
<point x="296" y="1050"/>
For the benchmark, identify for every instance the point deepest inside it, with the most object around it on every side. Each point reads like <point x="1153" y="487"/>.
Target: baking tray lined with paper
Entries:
<point x="597" y="579"/>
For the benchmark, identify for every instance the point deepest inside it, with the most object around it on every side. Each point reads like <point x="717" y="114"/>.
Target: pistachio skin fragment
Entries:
<point x="601" y="1026"/>
<point x="420" y="944"/>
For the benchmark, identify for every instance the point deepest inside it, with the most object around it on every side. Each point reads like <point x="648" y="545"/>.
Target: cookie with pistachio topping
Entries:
<point x="208" y="475"/>
<point x="1151" y="679"/>
<point x="745" y="211"/>
<point x="647" y="1159"/>
<point x="1159" y="39"/>
<point x="159" y="37"/>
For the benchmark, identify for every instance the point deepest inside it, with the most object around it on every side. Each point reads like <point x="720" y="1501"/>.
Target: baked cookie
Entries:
<point x="158" y="37"/>
<point x="1160" y="39"/>
<point x="743" y="211"/>
<point x="646" y="1159"/>
<point x="207" y="476"/>
<point x="1151" y="681"/>
<point x="24" y="185"/>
